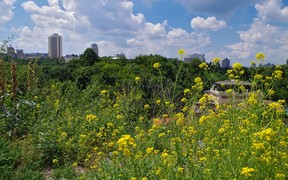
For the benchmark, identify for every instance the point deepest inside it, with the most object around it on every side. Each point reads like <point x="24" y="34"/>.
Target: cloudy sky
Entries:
<point x="216" y="28"/>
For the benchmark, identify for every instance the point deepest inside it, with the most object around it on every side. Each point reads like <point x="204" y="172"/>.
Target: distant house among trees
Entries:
<point x="190" y="58"/>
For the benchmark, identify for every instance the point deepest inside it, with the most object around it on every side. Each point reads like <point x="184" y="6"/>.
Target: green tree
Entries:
<point x="89" y="57"/>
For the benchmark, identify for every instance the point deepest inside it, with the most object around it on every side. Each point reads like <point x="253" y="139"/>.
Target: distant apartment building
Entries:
<point x="36" y="55"/>
<point x="119" y="56"/>
<point x="20" y="54"/>
<point x="69" y="57"/>
<point x="94" y="46"/>
<point x="189" y="58"/>
<point x="55" y="46"/>
<point x="226" y="63"/>
<point x="11" y="52"/>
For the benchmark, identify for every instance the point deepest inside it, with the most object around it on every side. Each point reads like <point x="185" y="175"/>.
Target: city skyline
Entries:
<point x="215" y="28"/>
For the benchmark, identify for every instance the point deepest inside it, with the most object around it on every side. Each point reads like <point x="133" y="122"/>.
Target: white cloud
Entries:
<point x="109" y="48"/>
<point x="155" y="30"/>
<point x="166" y="42"/>
<point x="6" y="12"/>
<point x="54" y="16"/>
<point x="272" y="10"/>
<point x="108" y="16"/>
<point x="210" y="23"/>
<point x="112" y="24"/>
<point x="271" y="40"/>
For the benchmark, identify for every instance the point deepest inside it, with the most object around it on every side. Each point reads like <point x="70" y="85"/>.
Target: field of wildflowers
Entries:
<point x="60" y="131"/>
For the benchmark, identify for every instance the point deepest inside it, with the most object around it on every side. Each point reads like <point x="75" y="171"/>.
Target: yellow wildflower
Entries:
<point x="270" y="92"/>
<point x="137" y="79"/>
<point x="187" y="91"/>
<point x="252" y="63"/>
<point x="119" y="117"/>
<point x="183" y="100"/>
<point x="229" y="91"/>
<point x="90" y="117"/>
<point x="103" y="92"/>
<point x="258" y="76"/>
<point x="158" y="102"/>
<point x="203" y="65"/>
<point x="181" y="52"/>
<point x="55" y="161"/>
<point x="266" y="134"/>
<point x="237" y="66"/>
<point x="125" y="143"/>
<point x="278" y="74"/>
<point x="156" y="65"/>
<point x="202" y="119"/>
<point x="149" y="150"/>
<point x="146" y="106"/>
<point x="216" y="60"/>
<point x="247" y="172"/>
<point x="280" y="176"/>
<point x="258" y="146"/>
<point x="260" y="56"/>
<point x="164" y="154"/>
<point x="161" y="135"/>
<point x="180" y="169"/>
<point x="198" y="80"/>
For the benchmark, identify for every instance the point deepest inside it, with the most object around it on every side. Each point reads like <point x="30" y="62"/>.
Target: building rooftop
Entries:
<point x="231" y="82"/>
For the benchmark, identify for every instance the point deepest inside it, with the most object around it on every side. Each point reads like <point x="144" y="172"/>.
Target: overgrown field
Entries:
<point x="136" y="119"/>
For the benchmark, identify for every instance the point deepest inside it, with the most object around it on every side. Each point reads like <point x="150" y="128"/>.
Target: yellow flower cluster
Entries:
<point x="187" y="91"/>
<point x="198" y="84"/>
<point x="258" y="77"/>
<point x="237" y="66"/>
<point x="236" y="72"/>
<point x="137" y="79"/>
<point x="247" y="172"/>
<point x="55" y="161"/>
<point x="277" y="106"/>
<point x="90" y="117"/>
<point x="181" y="53"/>
<point x="125" y="144"/>
<point x="103" y="92"/>
<point x="156" y="65"/>
<point x="260" y="56"/>
<point x="216" y="60"/>
<point x="278" y="74"/>
<point x="203" y="65"/>
<point x="146" y="106"/>
<point x="158" y="101"/>
<point x="266" y="134"/>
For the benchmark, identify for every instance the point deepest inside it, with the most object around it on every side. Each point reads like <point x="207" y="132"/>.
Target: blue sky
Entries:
<point x="217" y="28"/>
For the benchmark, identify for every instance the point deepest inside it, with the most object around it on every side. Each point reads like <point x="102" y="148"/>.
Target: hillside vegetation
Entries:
<point x="101" y="118"/>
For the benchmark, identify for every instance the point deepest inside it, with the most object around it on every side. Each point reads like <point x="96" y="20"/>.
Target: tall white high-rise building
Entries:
<point x="55" y="46"/>
<point x="94" y="46"/>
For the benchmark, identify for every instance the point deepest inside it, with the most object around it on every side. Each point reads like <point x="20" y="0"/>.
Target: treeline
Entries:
<point x="120" y="73"/>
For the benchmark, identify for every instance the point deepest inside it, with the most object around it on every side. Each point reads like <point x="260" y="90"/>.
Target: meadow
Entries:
<point x="101" y="119"/>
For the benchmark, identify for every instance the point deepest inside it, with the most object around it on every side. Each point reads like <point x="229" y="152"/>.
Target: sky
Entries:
<point x="231" y="29"/>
